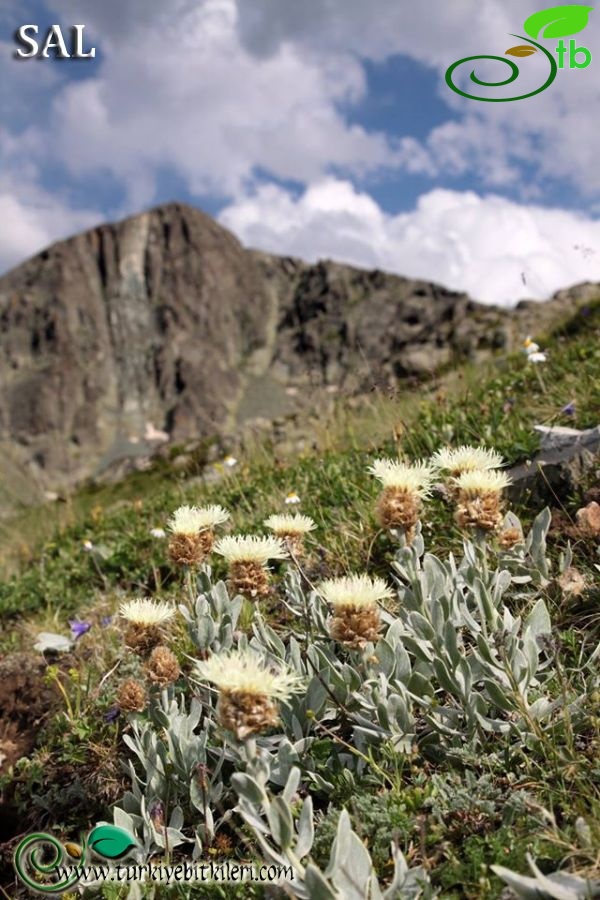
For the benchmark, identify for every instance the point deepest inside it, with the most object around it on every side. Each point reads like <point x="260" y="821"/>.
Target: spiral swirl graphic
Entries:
<point x="28" y="863"/>
<point x="512" y="77"/>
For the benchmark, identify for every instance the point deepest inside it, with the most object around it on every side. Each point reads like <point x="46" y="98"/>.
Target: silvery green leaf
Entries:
<point x="205" y="632"/>
<point x="318" y="887"/>
<point x="563" y="885"/>
<point x="382" y="716"/>
<point x="326" y="786"/>
<point x="451" y="644"/>
<point x="316" y="696"/>
<point x="306" y="830"/>
<point x="421" y="649"/>
<point x="498" y="697"/>
<point x="542" y="708"/>
<point x="421" y="626"/>
<point x="386" y="658"/>
<point x="176" y="820"/>
<point x="291" y="785"/>
<point x="444" y="677"/>
<point x="281" y="822"/>
<point x="495" y="725"/>
<point x="248" y="788"/>
<point x="530" y="649"/>
<point x="123" y="820"/>
<point x="420" y="686"/>
<point x="524" y="887"/>
<point x="538" y="621"/>
<point x="353" y="874"/>
<point x="462" y="673"/>
<point x="341" y="843"/>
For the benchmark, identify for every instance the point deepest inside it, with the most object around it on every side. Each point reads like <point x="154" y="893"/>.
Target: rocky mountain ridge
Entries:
<point x="164" y="326"/>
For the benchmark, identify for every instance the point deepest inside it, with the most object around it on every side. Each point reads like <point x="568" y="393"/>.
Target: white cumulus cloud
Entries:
<point x="496" y="250"/>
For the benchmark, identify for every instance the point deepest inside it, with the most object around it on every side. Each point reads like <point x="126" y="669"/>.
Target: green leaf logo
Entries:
<point x="558" y="21"/>
<point x="110" y="842"/>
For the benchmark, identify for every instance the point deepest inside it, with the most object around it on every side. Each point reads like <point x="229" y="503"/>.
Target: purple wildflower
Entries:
<point x="112" y="714"/>
<point x="569" y="409"/>
<point x="79" y="628"/>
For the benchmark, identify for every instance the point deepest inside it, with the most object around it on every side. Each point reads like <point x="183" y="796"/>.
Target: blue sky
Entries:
<point x="322" y="130"/>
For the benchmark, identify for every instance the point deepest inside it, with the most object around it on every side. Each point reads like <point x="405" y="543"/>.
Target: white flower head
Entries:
<point x="482" y="481"/>
<point x="415" y="478"/>
<point x="88" y="546"/>
<point x="290" y="525"/>
<point x="292" y="499"/>
<point x="466" y="459"/>
<point x="158" y="532"/>
<point x="355" y="591"/>
<point x="146" y="612"/>
<point x="251" y="548"/>
<point x="537" y="357"/>
<point x="230" y="462"/>
<point x="193" y="519"/>
<point x="245" y="672"/>
<point x="530" y="346"/>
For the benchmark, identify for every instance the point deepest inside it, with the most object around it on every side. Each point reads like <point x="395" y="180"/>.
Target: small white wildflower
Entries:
<point x="230" y="461"/>
<point x="530" y="346"/>
<point x="88" y="546"/>
<point x="242" y="548"/>
<point x="288" y="525"/>
<point x="354" y="591"/>
<point x="245" y="672"/>
<point x="158" y="532"/>
<point x="537" y="357"/>
<point x="146" y="612"/>
<point x="416" y="478"/>
<point x="292" y="499"/>
<point x="192" y="519"/>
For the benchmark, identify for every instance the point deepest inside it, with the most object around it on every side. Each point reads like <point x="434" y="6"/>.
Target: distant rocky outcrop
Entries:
<point x="163" y="325"/>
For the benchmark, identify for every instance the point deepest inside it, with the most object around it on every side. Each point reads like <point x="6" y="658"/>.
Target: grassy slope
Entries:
<point x="497" y="404"/>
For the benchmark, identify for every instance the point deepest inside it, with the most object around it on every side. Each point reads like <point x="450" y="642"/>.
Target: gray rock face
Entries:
<point x="164" y="322"/>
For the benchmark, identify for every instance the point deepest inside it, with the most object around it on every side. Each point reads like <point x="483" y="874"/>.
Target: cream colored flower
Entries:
<point x="479" y="499"/>
<point x="245" y="672"/>
<point x="290" y="525"/>
<point x="354" y="600"/>
<point x="242" y="548"/>
<point x="191" y="520"/>
<point x="292" y="499"/>
<point x="354" y="591"/>
<point x="457" y="460"/>
<point x="146" y="613"/>
<point x="416" y="478"/>
<point x="480" y="482"/>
